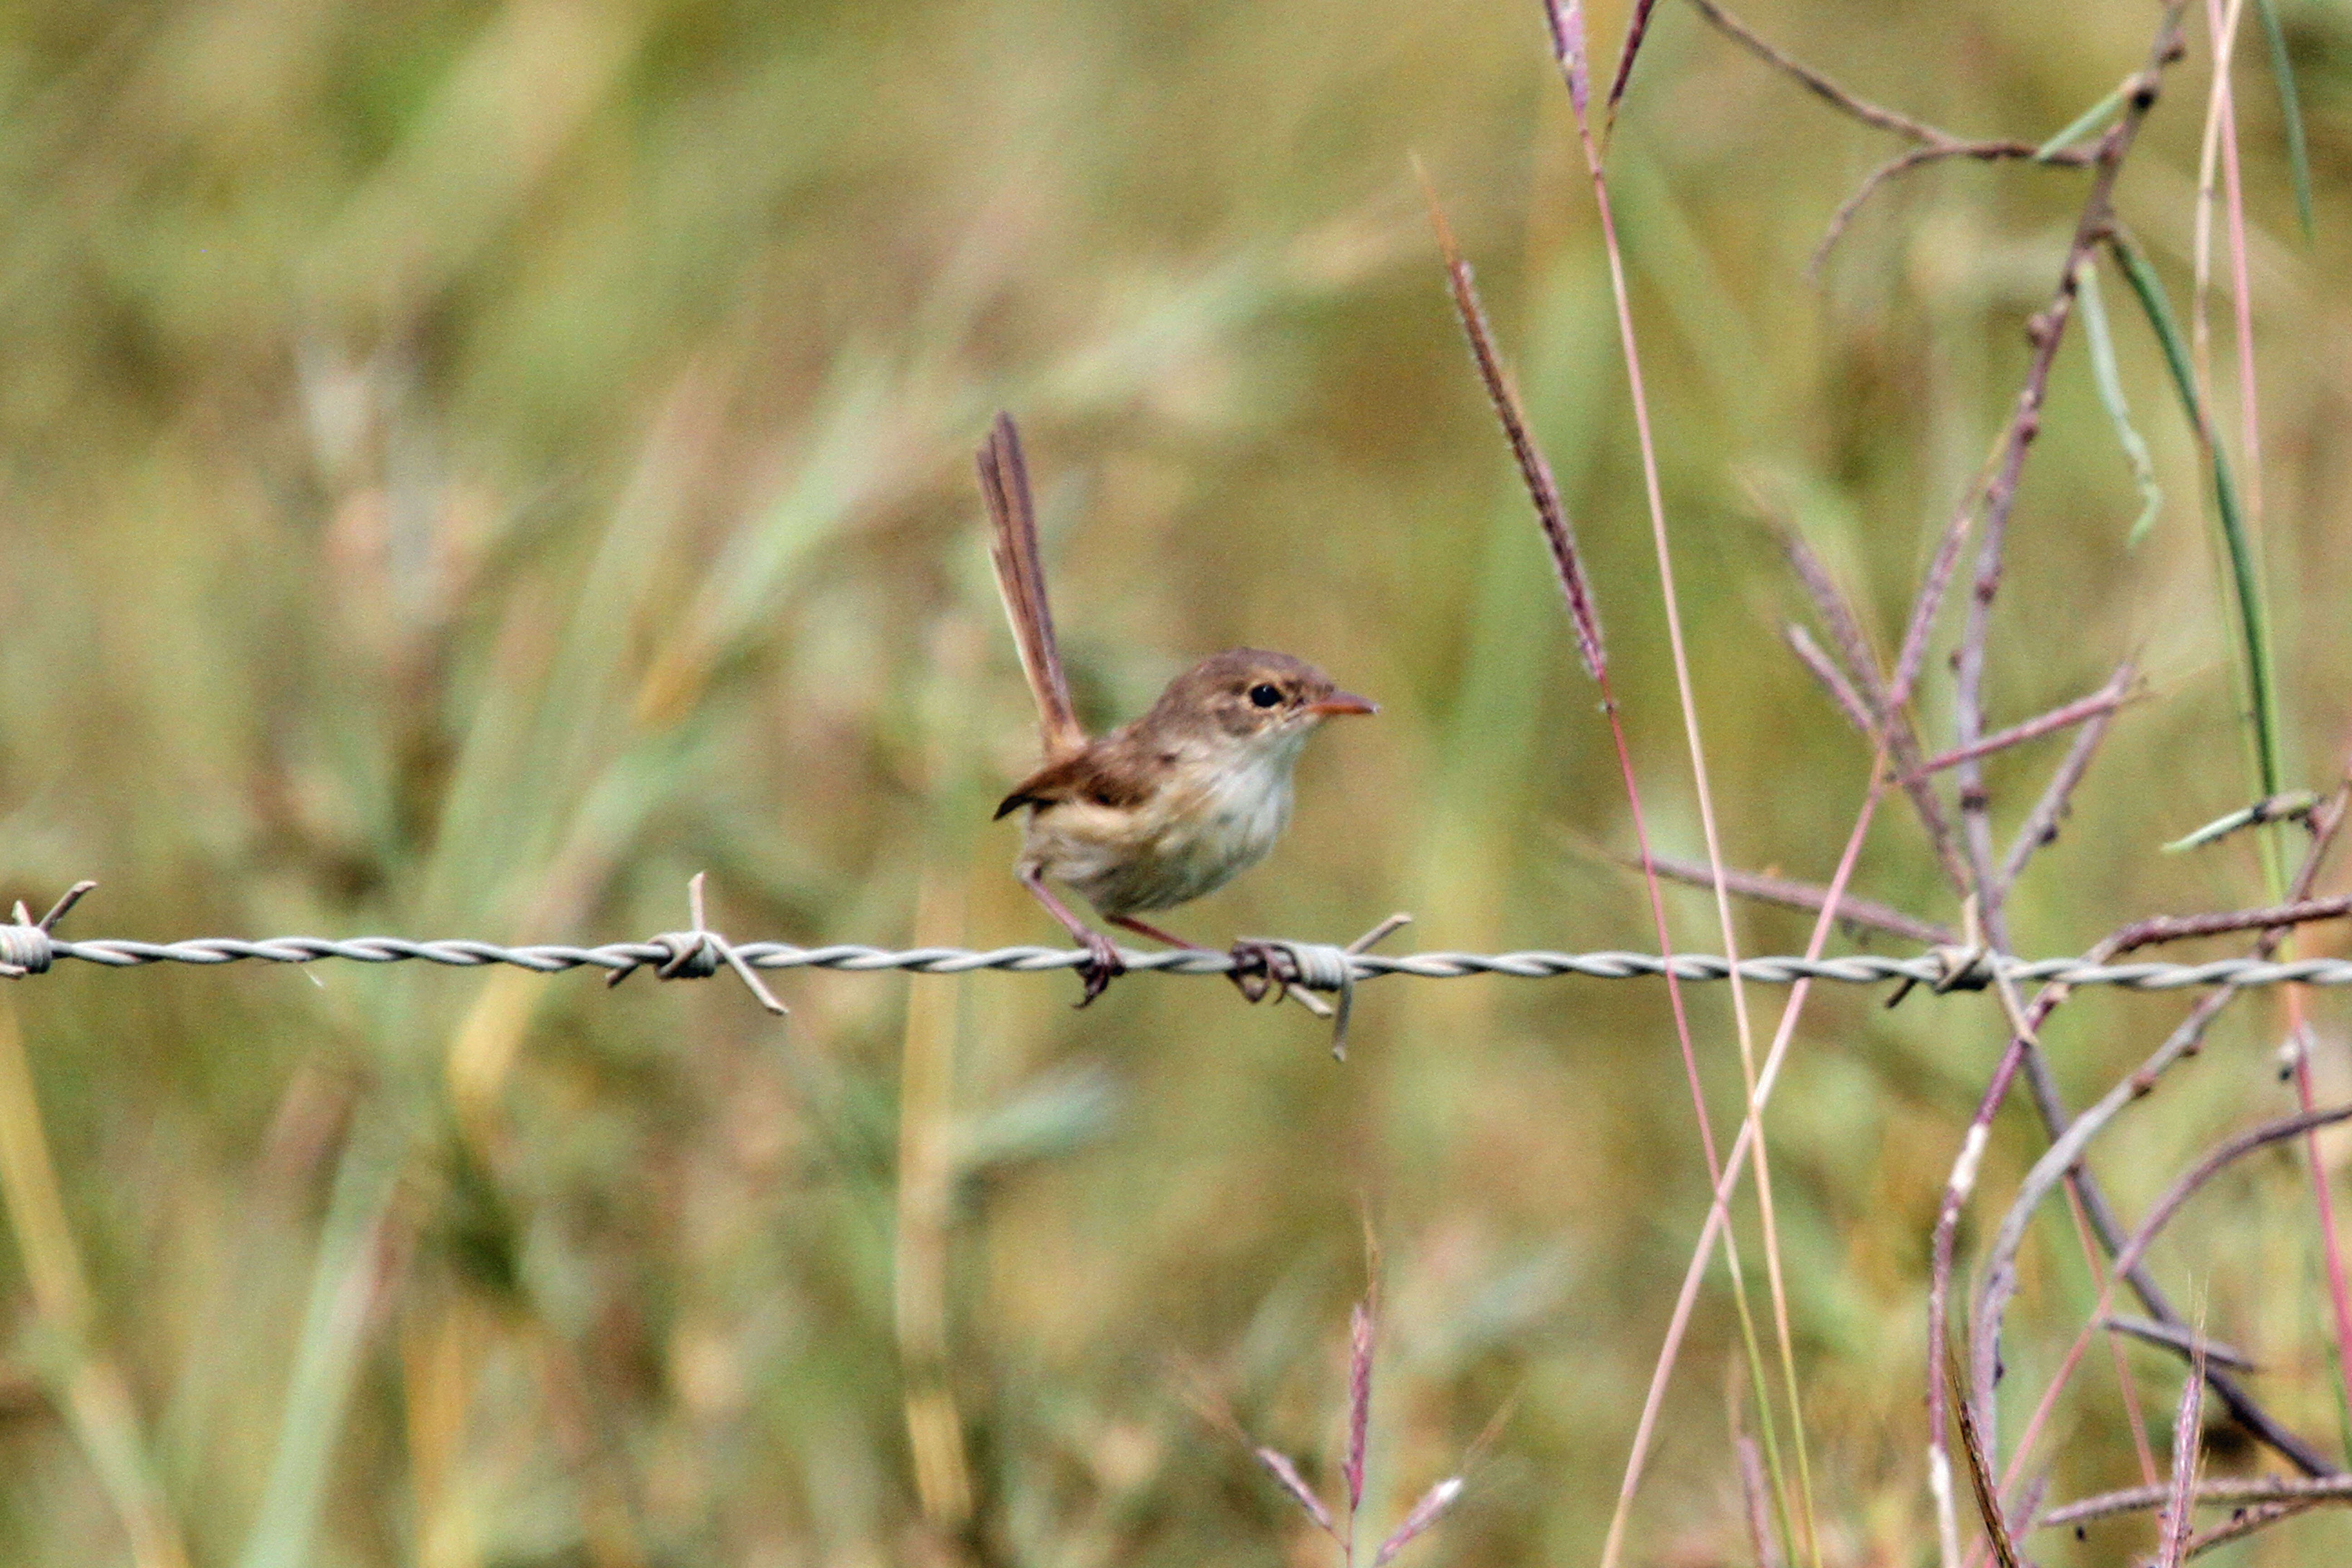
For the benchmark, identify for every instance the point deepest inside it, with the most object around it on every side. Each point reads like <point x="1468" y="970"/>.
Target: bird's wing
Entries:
<point x="1099" y="774"/>
<point x="1021" y="579"/>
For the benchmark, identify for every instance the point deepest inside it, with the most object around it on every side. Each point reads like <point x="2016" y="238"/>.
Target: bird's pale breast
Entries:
<point x="1195" y="833"/>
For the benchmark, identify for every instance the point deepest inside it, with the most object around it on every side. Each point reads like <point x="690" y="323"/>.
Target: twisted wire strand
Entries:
<point x="1936" y="969"/>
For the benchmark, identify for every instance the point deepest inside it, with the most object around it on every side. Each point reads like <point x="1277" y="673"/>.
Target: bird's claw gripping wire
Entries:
<point x="696" y="954"/>
<point x="1102" y="966"/>
<point x="1302" y="968"/>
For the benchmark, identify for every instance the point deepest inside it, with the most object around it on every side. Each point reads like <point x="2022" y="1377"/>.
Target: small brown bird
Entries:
<point x="1168" y="807"/>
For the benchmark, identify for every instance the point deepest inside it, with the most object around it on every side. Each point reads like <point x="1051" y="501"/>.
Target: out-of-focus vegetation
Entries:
<point x="465" y="467"/>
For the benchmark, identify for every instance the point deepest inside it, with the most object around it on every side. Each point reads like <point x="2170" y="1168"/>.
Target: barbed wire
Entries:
<point x="550" y="958"/>
<point x="31" y="947"/>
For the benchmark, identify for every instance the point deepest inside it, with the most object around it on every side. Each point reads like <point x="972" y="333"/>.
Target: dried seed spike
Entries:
<point x="1566" y="19"/>
<point x="1280" y="1468"/>
<point x="1360" y="1398"/>
<point x="1833" y="680"/>
<point x="1426" y="1512"/>
<point x="2179" y="1517"/>
<point x="1534" y="471"/>
<point x="1980" y="1481"/>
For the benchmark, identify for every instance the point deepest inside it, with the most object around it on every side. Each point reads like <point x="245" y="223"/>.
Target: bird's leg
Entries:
<point x="1253" y="983"/>
<point x="1103" y="963"/>
<point x="1130" y="923"/>
<point x="1251" y="987"/>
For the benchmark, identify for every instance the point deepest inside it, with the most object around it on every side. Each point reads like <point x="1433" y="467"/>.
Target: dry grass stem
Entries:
<point x="2039" y="827"/>
<point x="2227" y="1492"/>
<point x="1833" y="680"/>
<point x="2126" y="1264"/>
<point x="2097" y="705"/>
<point x="2181" y="1341"/>
<point x="1852" y="911"/>
<point x="1934" y="145"/>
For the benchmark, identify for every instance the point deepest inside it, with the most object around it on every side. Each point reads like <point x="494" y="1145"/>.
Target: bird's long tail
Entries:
<point x="1021" y="578"/>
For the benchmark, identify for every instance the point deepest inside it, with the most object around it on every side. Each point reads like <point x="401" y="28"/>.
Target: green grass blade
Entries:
<point x="2082" y="125"/>
<point x="2298" y="157"/>
<point x="327" y="1354"/>
<point x="2254" y="620"/>
<point x="2111" y="393"/>
<point x="2158" y="308"/>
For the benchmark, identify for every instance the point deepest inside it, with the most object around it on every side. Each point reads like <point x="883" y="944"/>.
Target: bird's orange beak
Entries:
<point x="1342" y="702"/>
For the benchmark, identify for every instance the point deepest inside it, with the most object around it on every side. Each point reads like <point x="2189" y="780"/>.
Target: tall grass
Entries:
<point x="468" y="468"/>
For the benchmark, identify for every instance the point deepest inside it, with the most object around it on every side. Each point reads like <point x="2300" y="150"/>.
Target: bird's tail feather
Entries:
<point x="1021" y="579"/>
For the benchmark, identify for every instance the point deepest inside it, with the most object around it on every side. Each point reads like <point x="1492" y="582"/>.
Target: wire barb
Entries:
<point x="1311" y="966"/>
<point x="696" y="954"/>
<point x="25" y="944"/>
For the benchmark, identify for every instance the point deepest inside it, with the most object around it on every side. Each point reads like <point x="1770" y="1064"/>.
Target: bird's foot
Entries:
<point x="1102" y="966"/>
<point x="1259" y="968"/>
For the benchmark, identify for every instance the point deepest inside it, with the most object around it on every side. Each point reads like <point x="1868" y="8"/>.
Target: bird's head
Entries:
<point x="1251" y="699"/>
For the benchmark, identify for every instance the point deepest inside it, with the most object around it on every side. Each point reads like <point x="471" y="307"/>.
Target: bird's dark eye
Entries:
<point x="1264" y="695"/>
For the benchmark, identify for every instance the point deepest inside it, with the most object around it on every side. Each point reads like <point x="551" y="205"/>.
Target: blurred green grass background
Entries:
<point x="465" y="467"/>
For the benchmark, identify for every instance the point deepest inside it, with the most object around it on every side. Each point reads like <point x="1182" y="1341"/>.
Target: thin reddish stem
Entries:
<point x="1718" y="1210"/>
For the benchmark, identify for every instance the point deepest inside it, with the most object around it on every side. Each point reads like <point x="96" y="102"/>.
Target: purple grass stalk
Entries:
<point x="1869" y="114"/>
<point x="1553" y="518"/>
<point x="2097" y="705"/>
<point x="2179" y="1516"/>
<point x="2231" y="1490"/>
<point x="2140" y="1240"/>
<point x="1359" y="1409"/>
<point x="1930" y="601"/>
<point x="1999" y="493"/>
<point x="2092" y="226"/>
<point x="2182" y="1040"/>
<point x="2185" y="1342"/>
<point x="1888" y="715"/>
<point x="1958" y="1187"/>
<point x="2225" y="111"/>
<point x="1425" y="1513"/>
<point x="2244" y="1522"/>
<point x="1636" y="28"/>
<point x="2040" y="825"/>
<point x="2158" y="928"/>
<point x="1833" y="680"/>
<point x="1852" y="911"/>
<point x="1560" y="535"/>
<point x="1567" y="20"/>
<point x="2339" y="1299"/>
<point x="1553" y="515"/>
<point x="1720" y="1209"/>
<point x="1932" y="145"/>
<point x="1989" y="1510"/>
<point x="1754" y="1506"/>
<point x="1837" y="615"/>
<point x="2125" y="1387"/>
<point x="1280" y="1468"/>
<point x="2323" y="1199"/>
